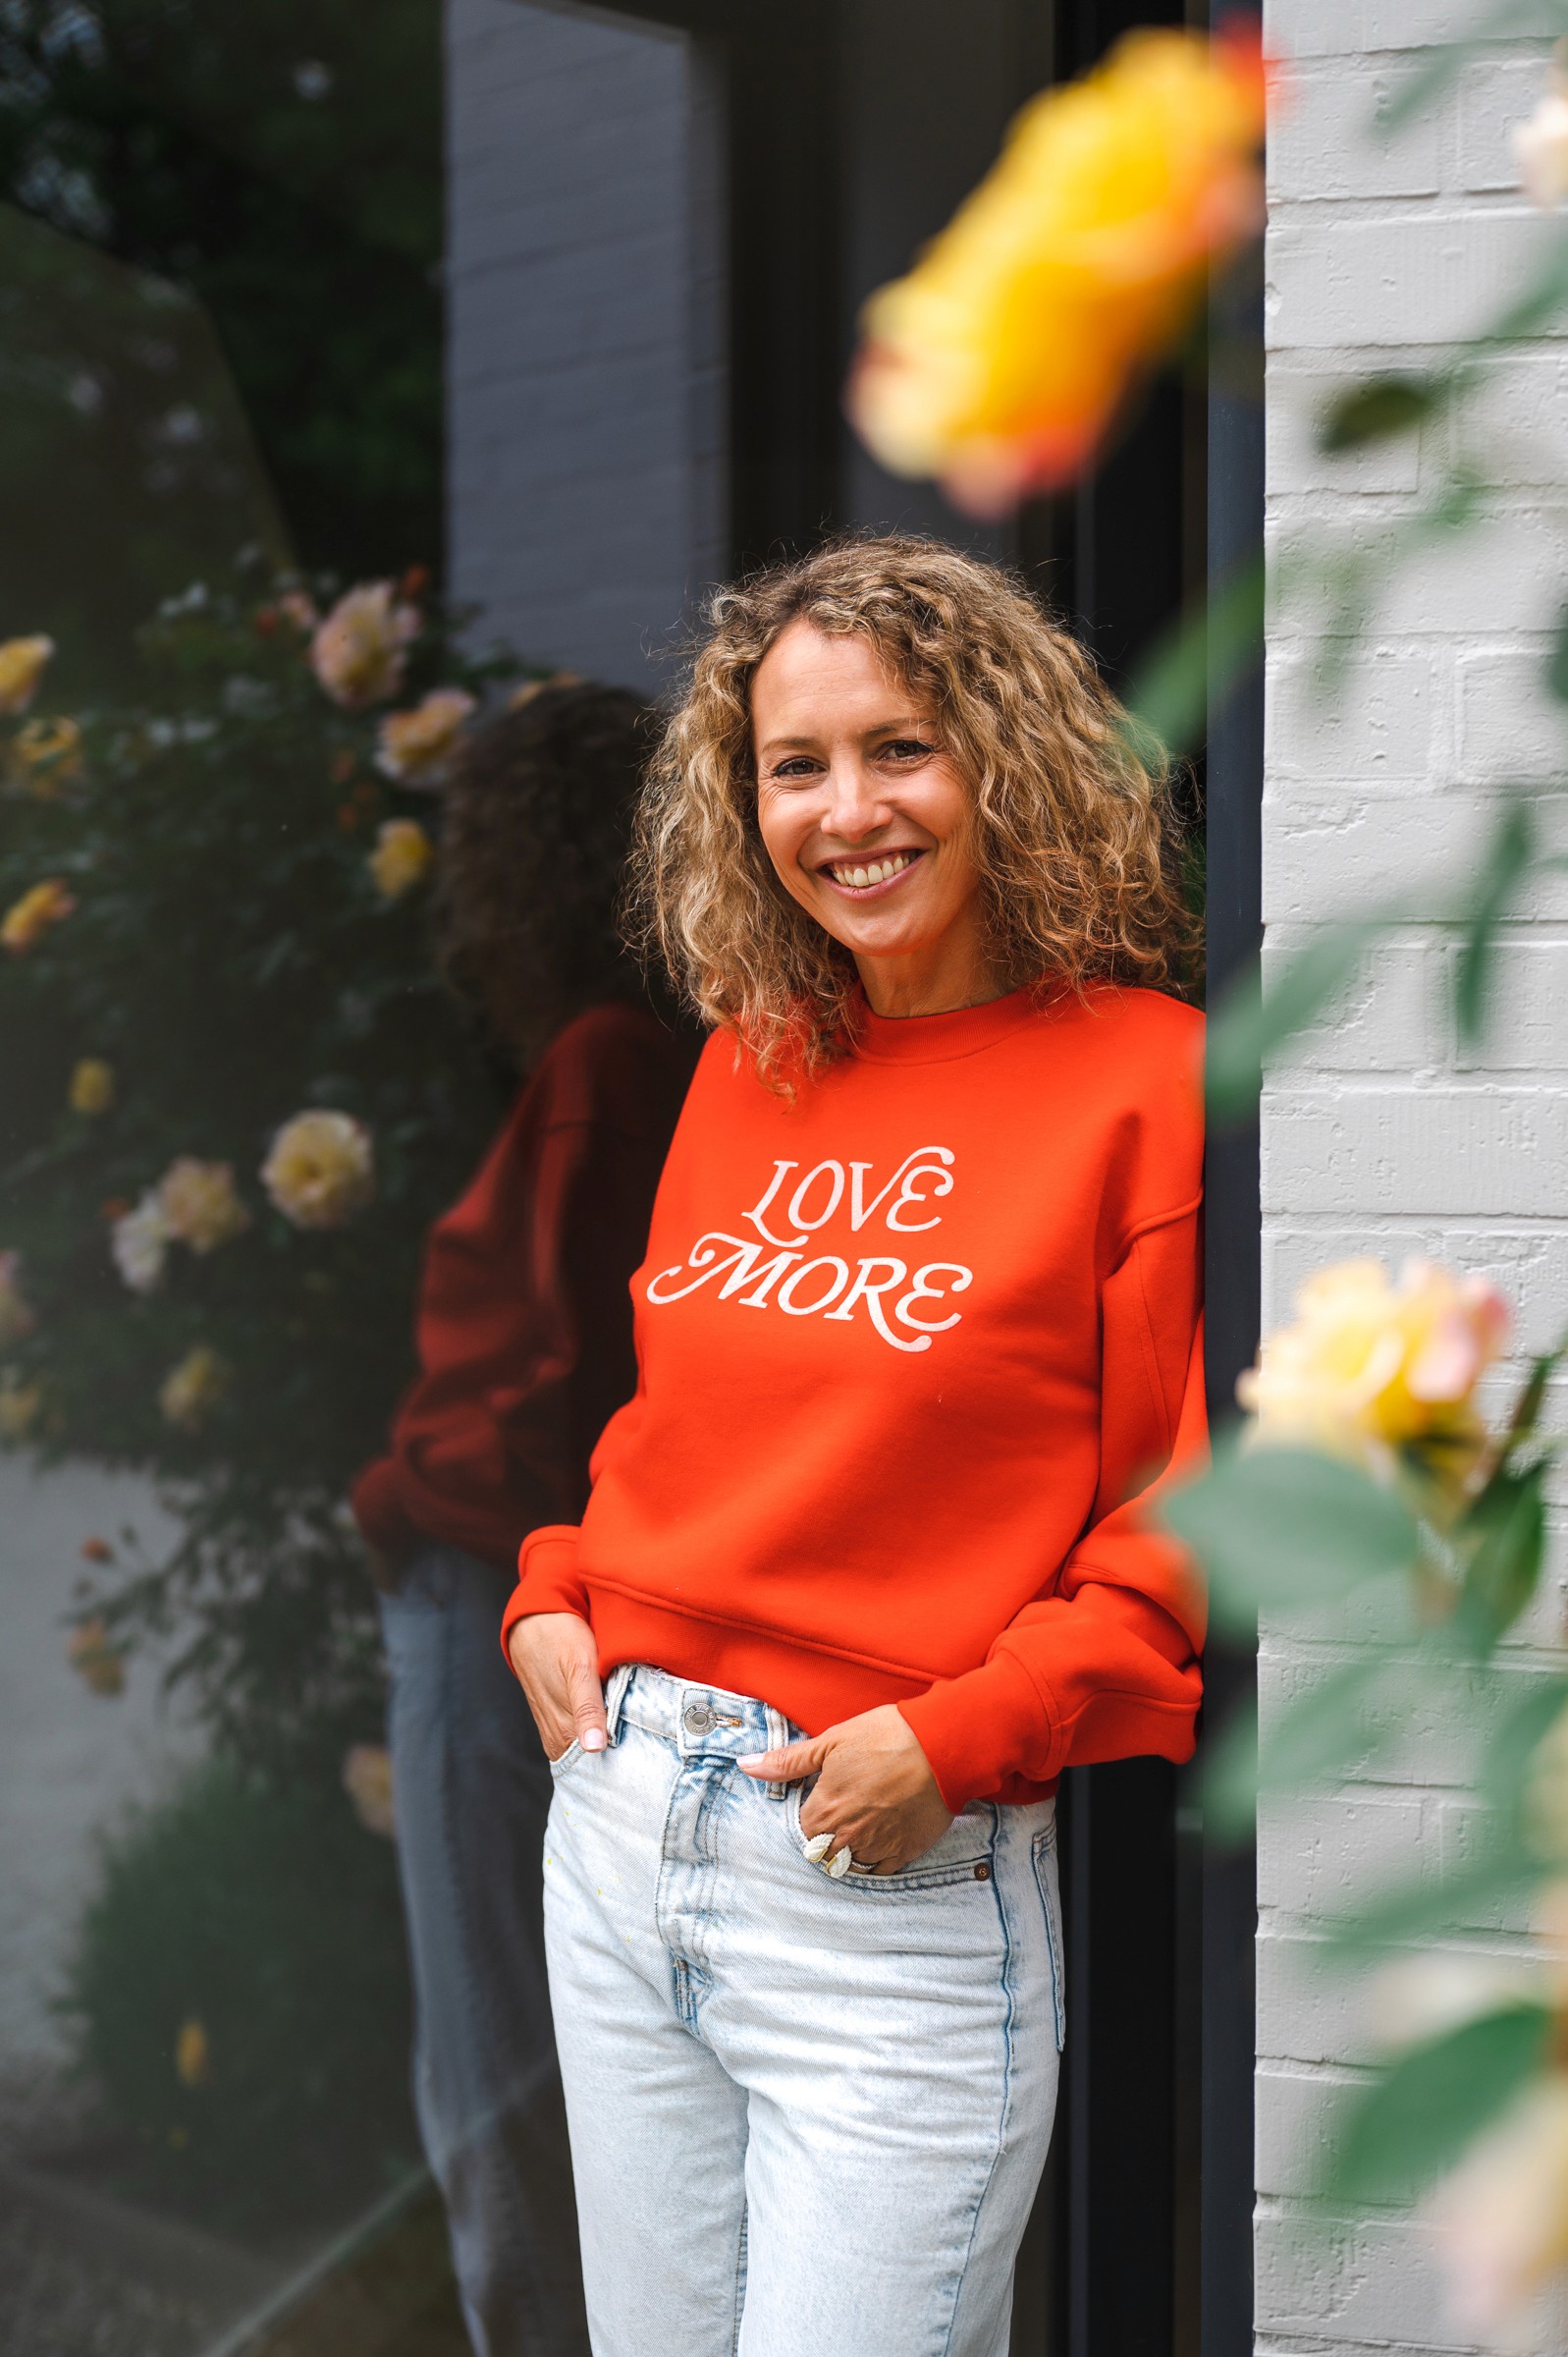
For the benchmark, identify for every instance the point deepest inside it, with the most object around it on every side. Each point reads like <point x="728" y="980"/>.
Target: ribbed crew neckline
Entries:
<point x="938" y="1039"/>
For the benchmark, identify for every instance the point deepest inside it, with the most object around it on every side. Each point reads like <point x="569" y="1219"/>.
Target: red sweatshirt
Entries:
<point x="523" y="1328"/>
<point x="912" y="1349"/>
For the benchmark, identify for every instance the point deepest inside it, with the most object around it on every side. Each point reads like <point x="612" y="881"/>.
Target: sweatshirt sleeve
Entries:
<point x="1103" y="1664"/>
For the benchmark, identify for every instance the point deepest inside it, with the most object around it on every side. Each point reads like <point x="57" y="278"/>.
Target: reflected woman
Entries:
<point x="525" y="1346"/>
<point x="869" y="1559"/>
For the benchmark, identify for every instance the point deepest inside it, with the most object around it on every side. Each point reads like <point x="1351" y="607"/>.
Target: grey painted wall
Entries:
<point x="585" y="333"/>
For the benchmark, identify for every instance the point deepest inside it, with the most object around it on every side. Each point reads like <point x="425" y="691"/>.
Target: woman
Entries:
<point x="869" y="1559"/>
<point x="525" y="1343"/>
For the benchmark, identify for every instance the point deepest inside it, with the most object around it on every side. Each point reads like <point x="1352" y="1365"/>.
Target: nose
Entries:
<point x="855" y="806"/>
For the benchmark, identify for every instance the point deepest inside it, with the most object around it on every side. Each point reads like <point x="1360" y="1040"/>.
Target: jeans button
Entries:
<point x="697" y="1718"/>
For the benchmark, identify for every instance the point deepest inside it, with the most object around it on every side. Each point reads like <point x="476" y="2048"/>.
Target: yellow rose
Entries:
<point x="357" y="652"/>
<point x="199" y="1205"/>
<point x="401" y="857"/>
<point x="27" y="920"/>
<point x="98" y="1663"/>
<point x="1001" y="360"/>
<point x="192" y="2055"/>
<point x="91" y="1085"/>
<point x="367" y="1780"/>
<point x="193" y="1388"/>
<point x="412" y="747"/>
<point x="16" y="1317"/>
<point x="22" y="665"/>
<point x="1369" y="1367"/>
<point x="49" y="753"/>
<point x="20" y="1405"/>
<point x="321" y="1169"/>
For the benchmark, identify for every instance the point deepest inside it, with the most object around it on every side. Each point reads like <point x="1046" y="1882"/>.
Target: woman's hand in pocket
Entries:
<point x="557" y="1661"/>
<point x="875" y="1792"/>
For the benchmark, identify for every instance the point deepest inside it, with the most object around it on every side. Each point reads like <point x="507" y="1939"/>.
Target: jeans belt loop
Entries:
<point x="777" y="1737"/>
<point x="616" y="1695"/>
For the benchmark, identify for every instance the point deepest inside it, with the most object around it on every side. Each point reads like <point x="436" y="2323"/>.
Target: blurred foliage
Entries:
<point x="230" y="958"/>
<point x="280" y="167"/>
<point x="239" y="1995"/>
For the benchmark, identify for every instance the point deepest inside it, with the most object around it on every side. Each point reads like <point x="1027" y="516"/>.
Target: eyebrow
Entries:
<point x="910" y="726"/>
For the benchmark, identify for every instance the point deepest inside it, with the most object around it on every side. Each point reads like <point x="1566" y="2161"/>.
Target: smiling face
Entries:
<point x="866" y="820"/>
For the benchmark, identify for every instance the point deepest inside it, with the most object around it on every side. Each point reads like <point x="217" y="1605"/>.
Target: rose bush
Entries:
<point x="237" y="1093"/>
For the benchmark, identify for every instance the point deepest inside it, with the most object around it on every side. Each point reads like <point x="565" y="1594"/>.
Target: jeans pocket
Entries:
<point x="962" y="1855"/>
<point x="1045" y="1863"/>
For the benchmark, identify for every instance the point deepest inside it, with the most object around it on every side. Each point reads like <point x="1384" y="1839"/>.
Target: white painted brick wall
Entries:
<point x="1381" y="1134"/>
<point x="584" y="362"/>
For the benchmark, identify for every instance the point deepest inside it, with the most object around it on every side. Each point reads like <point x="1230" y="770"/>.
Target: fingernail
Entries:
<point x="750" y="1759"/>
<point x="594" y="1739"/>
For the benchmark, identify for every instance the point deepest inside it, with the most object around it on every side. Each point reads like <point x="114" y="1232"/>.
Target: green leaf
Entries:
<point x="1502" y="1572"/>
<point x="1374" y="412"/>
<point x="1339" y="1720"/>
<point x="1419" y="1910"/>
<point x="1415" y="2124"/>
<point x="1228" y="1776"/>
<point x="1249" y="1026"/>
<point x="1527" y="1407"/>
<point x="1508" y="862"/>
<point x="1505" y="1765"/>
<point x="1281" y="1527"/>
<point x="1197" y="665"/>
<point x="1438" y="65"/>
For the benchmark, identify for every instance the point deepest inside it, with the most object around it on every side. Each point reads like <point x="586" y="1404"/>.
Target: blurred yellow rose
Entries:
<point x="367" y="1780"/>
<point x="1369" y="1367"/>
<point x="91" y="1085"/>
<point x="413" y="746"/>
<point x="27" y="920"/>
<point x="49" y="753"/>
<point x="321" y="1169"/>
<point x="199" y="1205"/>
<point x="358" y="652"/>
<point x="22" y="665"/>
<point x="191" y="1390"/>
<point x="192" y="2055"/>
<point x="1003" y="358"/>
<point x="16" y="1316"/>
<point x="97" y="1661"/>
<point x="401" y="857"/>
<point x="20" y="1405"/>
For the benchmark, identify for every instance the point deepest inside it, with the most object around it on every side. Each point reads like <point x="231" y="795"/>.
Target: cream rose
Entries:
<point x="358" y="652"/>
<point x="321" y="1169"/>
<point x="413" y="746"/>
<point x="1371" y="1366"/>
<point x="199" y="1205"/>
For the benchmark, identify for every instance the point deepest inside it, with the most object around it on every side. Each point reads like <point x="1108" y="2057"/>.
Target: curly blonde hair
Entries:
<point x="1074" y="831"/>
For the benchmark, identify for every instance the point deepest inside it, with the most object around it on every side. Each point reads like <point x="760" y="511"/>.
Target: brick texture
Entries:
<point x="1382" y="1133"/>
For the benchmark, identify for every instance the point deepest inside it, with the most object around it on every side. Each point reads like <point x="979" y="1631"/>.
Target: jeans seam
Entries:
<point x="999" y="1835"/>
<point x="740" y="2280"/>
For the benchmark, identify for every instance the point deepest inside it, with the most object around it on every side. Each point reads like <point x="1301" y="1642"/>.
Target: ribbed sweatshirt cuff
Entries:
<point x="547" y="1579"/>
<point x="979" y="1729"/>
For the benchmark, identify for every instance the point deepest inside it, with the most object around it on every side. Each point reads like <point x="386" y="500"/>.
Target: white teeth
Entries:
<point x="876" y="871"/>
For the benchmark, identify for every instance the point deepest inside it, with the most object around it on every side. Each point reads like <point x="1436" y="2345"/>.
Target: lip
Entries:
<point x="914" y="853"/>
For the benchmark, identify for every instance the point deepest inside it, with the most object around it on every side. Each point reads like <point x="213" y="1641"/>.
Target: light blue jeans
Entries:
<point x="808" y="2116"/>
<point x="473" y="1794"/>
